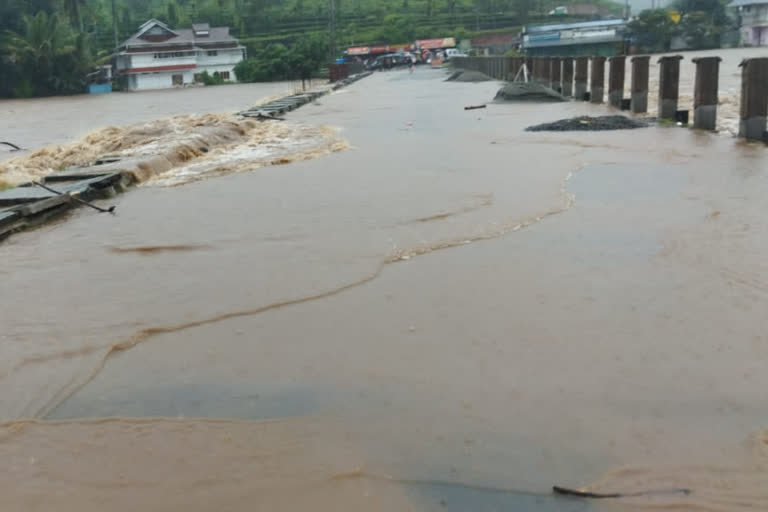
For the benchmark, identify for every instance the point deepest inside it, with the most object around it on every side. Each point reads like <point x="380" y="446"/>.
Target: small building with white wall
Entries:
<point x="753" y="17"/>
<point x="158" y="57"/>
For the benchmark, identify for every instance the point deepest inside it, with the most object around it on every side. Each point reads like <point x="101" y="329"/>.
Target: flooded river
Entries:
<point x="446" y="313"/>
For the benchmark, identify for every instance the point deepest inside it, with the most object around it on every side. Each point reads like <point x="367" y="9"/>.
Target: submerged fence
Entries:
<point x="558" y="74"/>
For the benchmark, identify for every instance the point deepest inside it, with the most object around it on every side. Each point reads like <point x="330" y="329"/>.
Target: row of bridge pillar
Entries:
<point x="584" y="79"/>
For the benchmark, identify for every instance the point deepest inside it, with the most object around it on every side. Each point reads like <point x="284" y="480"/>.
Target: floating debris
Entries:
<point x="13" y="147"/>
<point x="587" y="123"/>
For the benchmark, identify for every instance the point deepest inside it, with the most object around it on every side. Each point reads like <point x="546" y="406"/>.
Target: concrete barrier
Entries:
<point x="754" y="98"/>
<point x="669" y="85"/>
<point x="705" y="92"/>
<point x="616" y="81"/>
<point x="597" y="80"/>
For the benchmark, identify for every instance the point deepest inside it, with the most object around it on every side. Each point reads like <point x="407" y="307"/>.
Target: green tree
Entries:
<point x="396" y="29"/>
<point x="12" y="12"/>
<point x="174" y="14"/>
<point x="278" y="62"/>
<point x="460" y="33"/>
<point x="653" y="29"/>
<point x="523" y="7"/>
<point x="702" y="22"/>
<point x="74" y="9"/>
<point x="50" y="59"/>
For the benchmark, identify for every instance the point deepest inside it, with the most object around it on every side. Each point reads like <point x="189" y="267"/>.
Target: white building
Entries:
<point x="157" y="57"/>
<point x="754" y="21"/>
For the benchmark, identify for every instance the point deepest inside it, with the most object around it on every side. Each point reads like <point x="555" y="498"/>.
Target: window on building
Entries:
<point x="224" y="75"/>
<point x="173" y="55"/>
<point x="212" y="53"/>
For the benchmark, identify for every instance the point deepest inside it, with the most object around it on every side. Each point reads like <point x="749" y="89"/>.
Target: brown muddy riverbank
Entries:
<point x="568" y="304"/>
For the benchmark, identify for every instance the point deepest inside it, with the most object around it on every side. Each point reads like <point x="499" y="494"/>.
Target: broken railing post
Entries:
<point x="567" y="77"/>
<point x="616" y="81"/>
<point x="555" y="73"/>
<point x="580" y="88"/>
<point x="754" y="98"/>
<point x="669" y="85"/>
<point x="705" y="92"/>
<point x="597" y="82"/>
<point x="639" y="101"/>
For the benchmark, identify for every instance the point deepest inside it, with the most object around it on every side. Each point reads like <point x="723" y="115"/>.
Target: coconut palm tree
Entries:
<point x="50" y="57"/>
<point x="43" y="36"/>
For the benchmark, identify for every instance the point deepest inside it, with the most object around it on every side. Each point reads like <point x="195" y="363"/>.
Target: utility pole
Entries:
<point x="332" y="29"/>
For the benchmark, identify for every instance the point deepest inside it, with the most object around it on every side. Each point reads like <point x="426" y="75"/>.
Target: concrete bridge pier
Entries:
<point x="555" y="68"/>
<point x="705" y="92"/>
<point x="597" y="82"/>
<point x="580" y="87"/>
<point x="567" y="77"/>
<point x="754" y="98"/>
<point x="616" y="81"/>
<point x="639" y="99"/>
<point x="669" y="85"/>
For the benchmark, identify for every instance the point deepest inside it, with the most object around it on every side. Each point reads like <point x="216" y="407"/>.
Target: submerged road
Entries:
<point x="452" y="300"/>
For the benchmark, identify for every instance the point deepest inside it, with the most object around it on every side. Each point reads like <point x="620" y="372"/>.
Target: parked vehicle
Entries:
<point x="389" y="61"/>
<point x="453" y="52"/>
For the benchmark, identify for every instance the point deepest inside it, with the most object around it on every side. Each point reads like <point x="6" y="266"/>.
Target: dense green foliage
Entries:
<point x="42" y="53"/>
<point x="702" y="25"/>
<point x="653" y="29"/>
<point x="214" y="79"/>
<point x="278" y="62"/>
<point x="703" y="22"/>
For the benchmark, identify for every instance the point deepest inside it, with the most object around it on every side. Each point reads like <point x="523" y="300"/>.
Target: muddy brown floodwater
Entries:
<point x="450" y="314"/>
